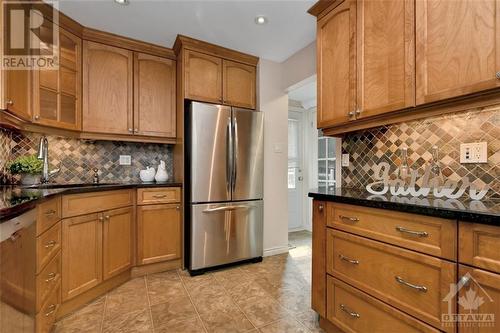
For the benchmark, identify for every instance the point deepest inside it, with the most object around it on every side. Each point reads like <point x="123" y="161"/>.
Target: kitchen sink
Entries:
<point x="70" y="185"/>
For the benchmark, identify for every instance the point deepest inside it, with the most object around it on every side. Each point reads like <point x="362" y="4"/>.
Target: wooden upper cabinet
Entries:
<point x="17" y="93"/>
<point x="386" y="56"/>
<point x="238" y="84"/>
<point x="336" y="61"/>
<point x="457" y="48"/>
<point x="202" y="77"/>
<point x="117" y="241"/>
<point x="107" y="89"/>
<point x="57" y="93"/>
<point x="154" y="96"/>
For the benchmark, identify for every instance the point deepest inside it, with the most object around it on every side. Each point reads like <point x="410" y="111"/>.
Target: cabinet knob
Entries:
<point x="106" y="217"/>
<point x="11" y="102"/>
<point x="498" y="75"/>
<point x="321" y="208"/>
<point x="178" y="207"/>
<point x="37" y="117"/>
<point x="101" y="218"/>
<point x="351" y="114"/>
<point x="130" y="130"/>
<point x="358" y="112"/>
<point x="136" y="130"/>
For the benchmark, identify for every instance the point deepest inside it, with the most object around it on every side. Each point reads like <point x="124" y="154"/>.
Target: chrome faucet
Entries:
<point x="43" y="154"/>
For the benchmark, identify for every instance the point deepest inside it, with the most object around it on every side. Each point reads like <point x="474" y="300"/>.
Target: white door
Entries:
<point x="295" y="166"/>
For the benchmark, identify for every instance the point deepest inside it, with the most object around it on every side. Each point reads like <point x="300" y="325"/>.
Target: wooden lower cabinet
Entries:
<point x="158" y="233"/>
<point x="318" y="282"/>
<point x="479" y="245"/>
<point x="81" y="254"/>
<point x="117" y="241"/>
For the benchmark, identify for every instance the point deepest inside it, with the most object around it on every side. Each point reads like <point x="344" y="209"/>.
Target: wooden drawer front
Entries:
<point x="48" y="213"/>
<point x="80" y="204"/>
<point x="47" y="316"/>
<point x="376" y="268"/>
<point x="47" y="245"/>
<point x="146" y="196"/>
<point x="425" y="234"/>
<point x="354" y="311"/>
<point x="47" y="280"/>
<point x="479" y="245"/>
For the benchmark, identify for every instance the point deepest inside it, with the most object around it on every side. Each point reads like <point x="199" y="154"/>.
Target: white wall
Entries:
<point x="274" y="104"/>
<point x="299" y="66"/>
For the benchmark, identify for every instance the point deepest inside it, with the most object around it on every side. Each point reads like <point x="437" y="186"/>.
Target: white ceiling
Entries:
<point x="306" y="94"/>
<point x="228" y="23"/>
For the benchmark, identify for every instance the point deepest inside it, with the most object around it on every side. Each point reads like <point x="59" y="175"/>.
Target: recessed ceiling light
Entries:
<point x="122" y="2"/>
<point x="260" y="20"/>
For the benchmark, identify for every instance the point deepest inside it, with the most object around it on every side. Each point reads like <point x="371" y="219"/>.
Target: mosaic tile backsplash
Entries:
<point x="77" y="158"/>
<point x="447" y="132"/>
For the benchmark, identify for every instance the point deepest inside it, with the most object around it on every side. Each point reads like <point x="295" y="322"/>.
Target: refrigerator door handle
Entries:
<point x="224" y="208"/>
<point x="235" y="153"/>
<point x="229" y="156"/>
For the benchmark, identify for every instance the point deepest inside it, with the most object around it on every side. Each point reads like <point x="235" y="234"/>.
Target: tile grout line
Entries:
<point x="104" y="312"/>
<point x="149" y="303"/>
<point x="191" y="300"/>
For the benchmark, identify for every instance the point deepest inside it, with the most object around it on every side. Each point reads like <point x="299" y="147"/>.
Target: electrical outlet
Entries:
<point x="476" y="152"/>
<point x="345" y="160"/>
<point x="125" y="160"/>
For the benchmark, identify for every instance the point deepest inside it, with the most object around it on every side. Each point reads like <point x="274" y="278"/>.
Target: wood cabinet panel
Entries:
<point x="79" y="204"/>
<point x="479" y="245"/>
<point x="46" y="318"/>
<point x="430" y="235"/>
<point x="18" y="93"/>
<point x="81" y="254"/>
<point x="158" y="195"/>
<point x="412" y="282"/>
<point x="47" y="245"/>
<point x="48" y="213"/>
<point x="385" y="56"/>
<point x="354" y="311"/>
<point x="117" y="241"/>
<point x="107" y="89"/>
<point x="202" y="77"/>
<point x="318" y="282"/>
<point x="238" y="84"/>
<point x="457" y="48"/>
<point x="336" y="62"/>
<point x="155" y="93"/>
<point x="48" y="279"/>
<point x="158" y="233"/>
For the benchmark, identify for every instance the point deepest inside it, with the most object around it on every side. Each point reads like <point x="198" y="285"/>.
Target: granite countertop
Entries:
<point x="463" y="209"/>
<point x="15" y="200"/>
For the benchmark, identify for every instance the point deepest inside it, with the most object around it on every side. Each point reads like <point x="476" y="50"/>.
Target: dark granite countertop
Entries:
<point x="15" y="200"/>
<point x="463" y="209"/>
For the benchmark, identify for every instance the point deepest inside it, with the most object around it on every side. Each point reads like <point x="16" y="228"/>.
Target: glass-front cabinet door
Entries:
<point x="57" y="93"/>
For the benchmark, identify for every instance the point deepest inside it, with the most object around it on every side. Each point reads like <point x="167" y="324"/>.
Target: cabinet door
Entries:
<point x="81" y="254"/>
<point x="17" y="93"/>
<point x="336" y="48"/>
<point x="480" y="296"/>
<point x="238" y="84"/>
<point x="202" y="77"/>
<point x="107" y="89"/>
<point x="457" y="47"/>
<point x="158" y="233"/>
<point x="117" y="241"/>
<point x="154" y="91"/>
<point x="386" y="56"/>
<point x="318" y="301"/>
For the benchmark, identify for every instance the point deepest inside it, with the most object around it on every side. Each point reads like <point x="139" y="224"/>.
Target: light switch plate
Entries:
<point x="278" y="148"/>
<point x="345" y="160"/>
<point x="125" y="160"/>
<point x="476" y="152"/>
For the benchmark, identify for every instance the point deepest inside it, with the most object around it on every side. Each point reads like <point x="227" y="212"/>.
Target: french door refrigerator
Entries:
<point x="224" y="191"/>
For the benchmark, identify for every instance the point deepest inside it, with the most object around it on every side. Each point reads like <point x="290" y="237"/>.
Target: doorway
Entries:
<point x="295" y="170"/>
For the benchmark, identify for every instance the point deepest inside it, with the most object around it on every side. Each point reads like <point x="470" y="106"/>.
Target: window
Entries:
<point x="326" y="161"/>
<point x="293" y="152"/>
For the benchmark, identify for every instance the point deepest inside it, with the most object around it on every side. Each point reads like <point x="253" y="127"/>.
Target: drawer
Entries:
<point x="146" y="196"/>
<point x="47" y="316"/>
<point x="48" y="213"/>
<point x="479" y="245"/>
<point x="48" y="279"/>
<point x="424" y="234"/>
<point x="80" y="204"/>
<point x="47" y="245"/>
<point x="354" y="311"/>
<point x="414" y="283"/>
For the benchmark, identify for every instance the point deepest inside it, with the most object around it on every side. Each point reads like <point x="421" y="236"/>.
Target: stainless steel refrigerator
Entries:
<point x="224" y="173"/>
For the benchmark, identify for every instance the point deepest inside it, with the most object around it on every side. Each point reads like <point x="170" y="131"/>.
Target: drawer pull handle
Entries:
<point x="411" y="285"/>
<point x="348" y="218"/>
<point x="349" y="312"/>
<point x="159" y="196"/>
<point x="349" y="260"/>
<point x="50" y="277"/>
<point x="50" y="212"/>
<point x="411" y="232"/>
<point x="50" y="244"/>
<point x="52" y="309"/>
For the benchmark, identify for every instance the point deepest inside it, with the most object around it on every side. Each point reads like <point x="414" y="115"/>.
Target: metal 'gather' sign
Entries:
<point x="450" y="188"/>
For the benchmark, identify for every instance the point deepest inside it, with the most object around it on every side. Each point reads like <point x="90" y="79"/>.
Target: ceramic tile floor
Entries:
<point x="268" y="297"/>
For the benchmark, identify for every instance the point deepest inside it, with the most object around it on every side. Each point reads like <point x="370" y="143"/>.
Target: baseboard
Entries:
<point x="301" y="228"/>
<point x="275" y="250"/>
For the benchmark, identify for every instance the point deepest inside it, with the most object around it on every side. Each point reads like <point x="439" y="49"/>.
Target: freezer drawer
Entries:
<point x="225" y="233"/>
